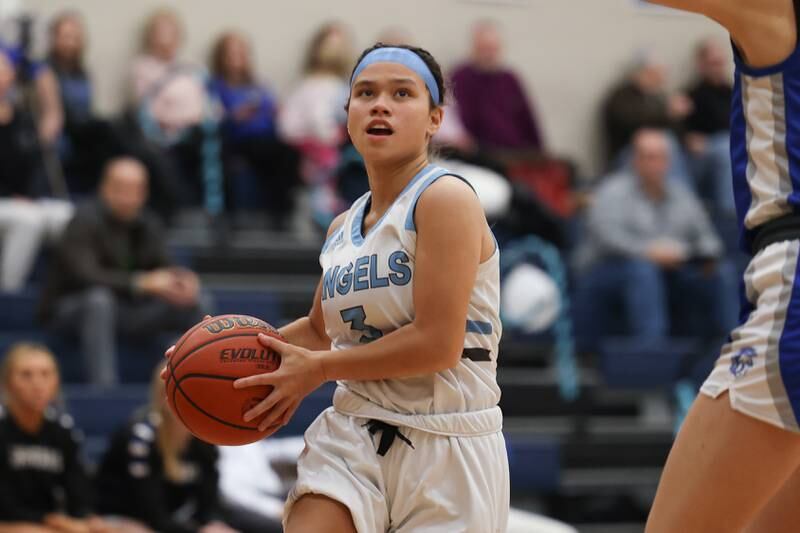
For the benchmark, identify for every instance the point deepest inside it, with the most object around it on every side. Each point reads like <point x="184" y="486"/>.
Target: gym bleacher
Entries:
<point x="593" y="461"/>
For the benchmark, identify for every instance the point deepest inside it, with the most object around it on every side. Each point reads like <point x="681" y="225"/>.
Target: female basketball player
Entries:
<point x="405" y="318"/>
<point x="43" y="486"/>
<point x="734" y="465"/>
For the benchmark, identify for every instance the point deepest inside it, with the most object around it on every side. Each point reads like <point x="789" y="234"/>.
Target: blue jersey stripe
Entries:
<point x="476" y="326"/>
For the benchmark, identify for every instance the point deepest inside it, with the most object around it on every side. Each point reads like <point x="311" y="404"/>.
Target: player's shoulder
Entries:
<point x="143" y="427"/>
<point x="337" y="223"/>
<point x="448" y="191"/>
<point x="62" y="425"/>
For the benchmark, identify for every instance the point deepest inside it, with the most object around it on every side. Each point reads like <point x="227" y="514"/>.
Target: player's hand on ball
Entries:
<point x="300" y="373"/>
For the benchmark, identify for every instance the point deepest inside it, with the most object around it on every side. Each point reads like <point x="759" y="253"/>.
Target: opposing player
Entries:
<point x="406" y="319"/>
<point x="734" y="465"/>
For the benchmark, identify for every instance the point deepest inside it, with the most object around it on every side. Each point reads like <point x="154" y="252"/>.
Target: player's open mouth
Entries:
<point x="379" y="127"/>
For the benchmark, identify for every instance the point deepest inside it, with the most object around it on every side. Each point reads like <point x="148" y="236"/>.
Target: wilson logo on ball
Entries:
<point x="224" y="324"/>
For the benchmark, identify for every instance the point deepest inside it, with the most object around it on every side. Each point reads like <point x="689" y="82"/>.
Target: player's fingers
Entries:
<point x="272" y="343"/>
<point x="259" y="379"/>
<point x="275" y="414"/>
<point x="287" y="416"/>
<point x="164" y="374"/>
<point x="169" y="352"/>
<point x="264" y="405"/>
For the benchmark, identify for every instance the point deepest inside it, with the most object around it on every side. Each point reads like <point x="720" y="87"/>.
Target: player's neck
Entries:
<point x="28" y="420"/>
<point x="387" y="181"/>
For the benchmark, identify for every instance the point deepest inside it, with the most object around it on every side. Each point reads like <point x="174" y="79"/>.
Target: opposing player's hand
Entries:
<point x="300" y="373"/>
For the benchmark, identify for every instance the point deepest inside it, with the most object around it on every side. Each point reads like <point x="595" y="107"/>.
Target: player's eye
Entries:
<point x="364" y="92"/>
<point x="403" y="93"/>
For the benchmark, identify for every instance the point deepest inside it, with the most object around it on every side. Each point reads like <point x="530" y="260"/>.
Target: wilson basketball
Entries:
<point x="200" y="374"/>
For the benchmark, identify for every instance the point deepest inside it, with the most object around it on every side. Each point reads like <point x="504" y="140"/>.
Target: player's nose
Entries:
<point x="380" y="107"/>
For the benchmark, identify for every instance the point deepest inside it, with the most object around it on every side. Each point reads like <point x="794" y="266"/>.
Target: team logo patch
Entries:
<point x="742" y="361"/>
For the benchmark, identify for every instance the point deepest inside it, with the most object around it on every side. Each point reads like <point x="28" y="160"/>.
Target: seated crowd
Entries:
<point x="645" y="245"/>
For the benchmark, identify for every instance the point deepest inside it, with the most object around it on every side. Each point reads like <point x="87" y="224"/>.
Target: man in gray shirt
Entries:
<point x="649" y="243"/>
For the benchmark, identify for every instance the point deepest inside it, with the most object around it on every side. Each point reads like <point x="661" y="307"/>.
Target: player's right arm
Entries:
<point x="748" y="22"/>
<point x="309" y="331"/>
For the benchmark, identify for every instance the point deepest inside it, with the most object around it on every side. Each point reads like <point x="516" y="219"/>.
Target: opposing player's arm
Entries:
<point x="309" y="331"/>
<point x="450" y="225"/>
<point x="748" y="22"/>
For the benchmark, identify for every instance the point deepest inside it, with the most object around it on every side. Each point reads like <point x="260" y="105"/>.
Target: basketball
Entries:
<point x="200" y="374"/>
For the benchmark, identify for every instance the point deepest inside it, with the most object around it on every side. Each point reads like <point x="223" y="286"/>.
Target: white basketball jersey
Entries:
<point x="367" y="292"/>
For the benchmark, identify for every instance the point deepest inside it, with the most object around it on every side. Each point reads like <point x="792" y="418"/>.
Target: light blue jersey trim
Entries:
<point x="356" y="236"/>
<point x="476" y="326"/>
<point x="410" y="225"/>
<point x="332" y="239"/>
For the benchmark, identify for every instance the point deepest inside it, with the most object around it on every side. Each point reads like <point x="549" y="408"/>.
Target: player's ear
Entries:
<point x="435" y="121"/>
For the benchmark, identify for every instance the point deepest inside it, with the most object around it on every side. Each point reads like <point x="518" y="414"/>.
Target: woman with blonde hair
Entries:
<point x="313" y="119"/>
<point x="157" y="473"/>
<point x="174" y="113"/>
<point x="43" y="485"/>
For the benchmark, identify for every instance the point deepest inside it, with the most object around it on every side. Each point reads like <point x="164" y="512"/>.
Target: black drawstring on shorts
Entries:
<point x="388" y="434"/>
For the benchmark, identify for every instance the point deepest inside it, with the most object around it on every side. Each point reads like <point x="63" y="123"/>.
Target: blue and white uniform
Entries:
<point x="448" y="470"/>
<point x="760" y="366"/>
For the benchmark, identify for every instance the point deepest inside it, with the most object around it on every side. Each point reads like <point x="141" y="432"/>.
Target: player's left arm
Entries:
<point x="450" y="229"/>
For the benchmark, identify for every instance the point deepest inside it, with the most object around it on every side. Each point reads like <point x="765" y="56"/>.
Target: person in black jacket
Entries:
<point x="157" y="473"/>
<point x="707" y="128"/>
<point x="111" y="273"/>
<point x="43" y="485"/>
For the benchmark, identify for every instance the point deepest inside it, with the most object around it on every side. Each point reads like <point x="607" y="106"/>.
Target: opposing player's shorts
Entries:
<point x="760" y="365"/>
<point x="442" y="473"/>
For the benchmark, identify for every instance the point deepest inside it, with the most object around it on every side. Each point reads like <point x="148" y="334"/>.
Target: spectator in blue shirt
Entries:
<point x="87" y="141"/>
<point x="248" y="128"/>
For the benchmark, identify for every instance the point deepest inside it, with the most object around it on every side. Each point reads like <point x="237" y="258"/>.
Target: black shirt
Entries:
<point x="628" y="109"/>
<point x="131" y="481"/>
<point x="18" y="155"/>
<point x="712" y="108"/>
<point x="41" y="473"/>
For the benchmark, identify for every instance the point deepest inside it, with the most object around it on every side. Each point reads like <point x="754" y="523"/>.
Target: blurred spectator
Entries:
<point x="173" y="113"/>
<point x="175" y="94"/>
<point x="395" y="36"/>
<point x="256" y="478"/>
<point x="642" y="100"/>
<point x="313" y="117"/>
<point x="44" y="93"/>
<point x="111" y="274"/>
<point x="158" y="474"/>
<point x="87" y="141"/>
<point x="707" y="128"/>
<point x="649" y="244"/>
<point x="43" y="485"/>
<point x="248" y="128"/>
<point x="492" y="102"/>
<point x="25" y="222"/>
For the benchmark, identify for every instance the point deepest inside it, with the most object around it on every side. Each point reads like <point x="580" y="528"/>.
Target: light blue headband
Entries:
<point x="403" y="57"/>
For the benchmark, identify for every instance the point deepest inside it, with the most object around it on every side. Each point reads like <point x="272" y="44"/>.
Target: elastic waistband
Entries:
<point x="469" y="424"/>
<point x="785" y="228"/>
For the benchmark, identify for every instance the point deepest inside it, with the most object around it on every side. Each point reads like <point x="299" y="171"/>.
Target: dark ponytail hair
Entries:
<point x="423" y="54"/>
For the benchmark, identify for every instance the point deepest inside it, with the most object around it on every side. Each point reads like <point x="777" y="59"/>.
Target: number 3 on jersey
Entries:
<point x="356" y="316"/>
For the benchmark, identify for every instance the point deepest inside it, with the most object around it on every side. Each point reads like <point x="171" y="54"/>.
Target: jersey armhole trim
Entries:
<point x="333" y="238"/>
<point x="410" y="224"/>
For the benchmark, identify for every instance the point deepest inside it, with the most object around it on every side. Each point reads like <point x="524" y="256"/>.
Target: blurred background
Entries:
<point x="163" y="160"/>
